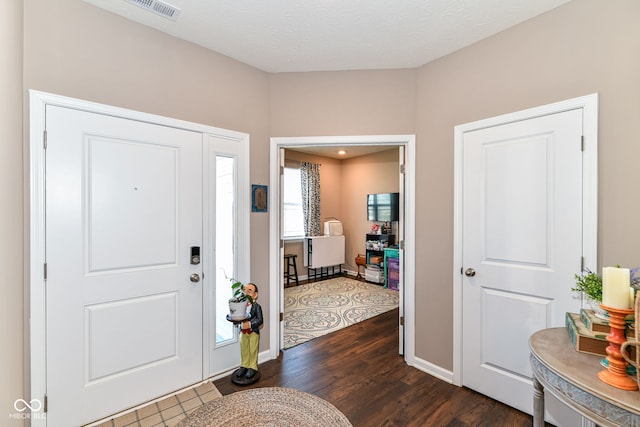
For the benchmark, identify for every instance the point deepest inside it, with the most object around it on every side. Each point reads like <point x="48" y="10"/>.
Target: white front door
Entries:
<point x="522" y="243"/>
<point x="123" y="301"/>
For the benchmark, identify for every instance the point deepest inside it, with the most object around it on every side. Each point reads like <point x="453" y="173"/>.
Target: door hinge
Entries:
<point x="44" y="139"/>
<point x="402" y="169"/>
<point x="281" y="170"/>
<point x="401" y="320"/>
<point x="581" y="263"/>
<point x="45" y="271"/>
<point x="582" y="143"/>
<point x="281" y="317"/>
<point x="401" y="244"/>
<point x="46" y="404"/>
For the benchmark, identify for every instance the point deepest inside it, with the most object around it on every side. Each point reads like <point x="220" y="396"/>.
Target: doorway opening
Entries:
<point x="406" y="228"/>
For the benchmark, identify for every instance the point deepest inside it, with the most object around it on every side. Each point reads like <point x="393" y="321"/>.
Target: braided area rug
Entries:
<point x="267" y="406"/>
<point x="319" y="308"/>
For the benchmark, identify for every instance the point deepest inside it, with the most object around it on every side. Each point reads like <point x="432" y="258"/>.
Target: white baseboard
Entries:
<point x="433" y="370"/>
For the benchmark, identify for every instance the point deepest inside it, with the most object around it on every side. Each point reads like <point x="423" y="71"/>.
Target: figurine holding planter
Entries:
<point x="249" y="317"/>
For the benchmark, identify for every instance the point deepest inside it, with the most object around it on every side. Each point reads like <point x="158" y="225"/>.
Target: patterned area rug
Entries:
<point x="319" y="308"/>
<point x="267" y="406"/>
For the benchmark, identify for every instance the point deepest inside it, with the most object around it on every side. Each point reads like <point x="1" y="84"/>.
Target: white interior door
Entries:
<point x="280" y="265"/>
<point x="400" y="241"/>
<point x="123" y="208"/>
<point x="522" y="243"/>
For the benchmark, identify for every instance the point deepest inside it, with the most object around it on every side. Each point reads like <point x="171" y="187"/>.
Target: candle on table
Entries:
<point x="615" y="287"/>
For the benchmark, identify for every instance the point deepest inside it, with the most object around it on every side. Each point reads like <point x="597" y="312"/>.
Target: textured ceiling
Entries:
<point x="321" y="35"/>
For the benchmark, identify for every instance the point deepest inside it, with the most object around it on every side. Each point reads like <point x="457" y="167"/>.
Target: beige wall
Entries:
<point x="580" y="48"/>
<point x="375" y="173"/>
<point x="583" y="47"/>
<point x="586" y="46"/>
<point x="343" y="103"/>
<point x="344" y="185"/>
<point x="330" y="181"/>
<point x="330" y="190"/>
<point x="74" y="49"/>
<point x="12" y="327"/>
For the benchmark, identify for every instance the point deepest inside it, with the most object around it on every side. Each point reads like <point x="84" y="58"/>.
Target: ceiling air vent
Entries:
<point x="158" y="7"/>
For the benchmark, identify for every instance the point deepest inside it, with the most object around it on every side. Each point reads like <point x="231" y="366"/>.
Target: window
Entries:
<point x="225" y="242"/>
<point x="293" y="218"/>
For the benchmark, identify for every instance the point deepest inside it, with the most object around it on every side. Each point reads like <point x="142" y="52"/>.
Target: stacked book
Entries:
<point x="588" y="333"/>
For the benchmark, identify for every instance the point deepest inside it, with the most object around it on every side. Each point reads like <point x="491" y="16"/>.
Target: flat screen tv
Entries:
<point x="383" y="207"/>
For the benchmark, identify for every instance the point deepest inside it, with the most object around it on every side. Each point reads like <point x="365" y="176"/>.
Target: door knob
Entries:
<point x="469" y="272"/>
<point x="195" y="278"/>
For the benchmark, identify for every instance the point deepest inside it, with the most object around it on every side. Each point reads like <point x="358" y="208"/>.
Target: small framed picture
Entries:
<point x="258" y="198"/>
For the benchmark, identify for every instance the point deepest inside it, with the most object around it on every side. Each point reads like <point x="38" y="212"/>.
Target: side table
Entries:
<point x="572" y="377"/>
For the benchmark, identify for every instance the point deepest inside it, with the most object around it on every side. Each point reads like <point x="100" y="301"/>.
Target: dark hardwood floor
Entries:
<point x="358" y="370"/>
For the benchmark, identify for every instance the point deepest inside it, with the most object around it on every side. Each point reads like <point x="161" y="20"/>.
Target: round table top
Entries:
<point x="552" y="348"/>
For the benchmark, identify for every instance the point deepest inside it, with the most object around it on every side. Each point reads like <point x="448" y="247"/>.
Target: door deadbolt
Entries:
<point x="195" y="278"/>
<point x="195" y="255"/>
<point x="469" y="272"/>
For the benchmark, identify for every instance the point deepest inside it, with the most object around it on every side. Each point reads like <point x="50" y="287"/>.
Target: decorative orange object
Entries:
<point x="616" y="374"/>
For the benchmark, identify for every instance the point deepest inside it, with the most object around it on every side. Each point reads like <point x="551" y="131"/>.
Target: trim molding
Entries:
<point x="36" y="372"/>
<point x="434" y="370"/>
<point x="276" y="296"/>
<point x="589" y="105"/>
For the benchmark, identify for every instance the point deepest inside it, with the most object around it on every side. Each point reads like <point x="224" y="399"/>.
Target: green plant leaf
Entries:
<point x="590" y="284"/>
<point x="238" y="291"/>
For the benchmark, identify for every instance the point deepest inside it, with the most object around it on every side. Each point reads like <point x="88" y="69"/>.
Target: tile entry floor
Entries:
<point x="167" y="412"/>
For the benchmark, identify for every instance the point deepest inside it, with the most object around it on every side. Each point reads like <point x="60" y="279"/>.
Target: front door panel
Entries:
<point x="124" y="206"/>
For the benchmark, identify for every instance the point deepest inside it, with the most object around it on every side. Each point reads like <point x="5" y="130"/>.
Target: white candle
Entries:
<point x="615" y="287"/>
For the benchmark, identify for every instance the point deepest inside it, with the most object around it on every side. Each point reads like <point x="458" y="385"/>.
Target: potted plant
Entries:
<point x="590" y="284"/>
<point x="239" y="301"/>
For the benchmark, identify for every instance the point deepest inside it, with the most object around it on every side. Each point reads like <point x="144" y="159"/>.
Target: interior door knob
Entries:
<point x="195" y="278"/>
<point x="469" y="272"/>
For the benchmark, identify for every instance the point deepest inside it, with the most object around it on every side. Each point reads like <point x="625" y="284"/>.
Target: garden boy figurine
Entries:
<point x="249" y="341"/>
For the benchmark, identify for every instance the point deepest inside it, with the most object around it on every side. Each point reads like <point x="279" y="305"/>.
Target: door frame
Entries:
<point x="589" y="106"/>
<point x="276" y="248"/>
<point x="37" y="255"/>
